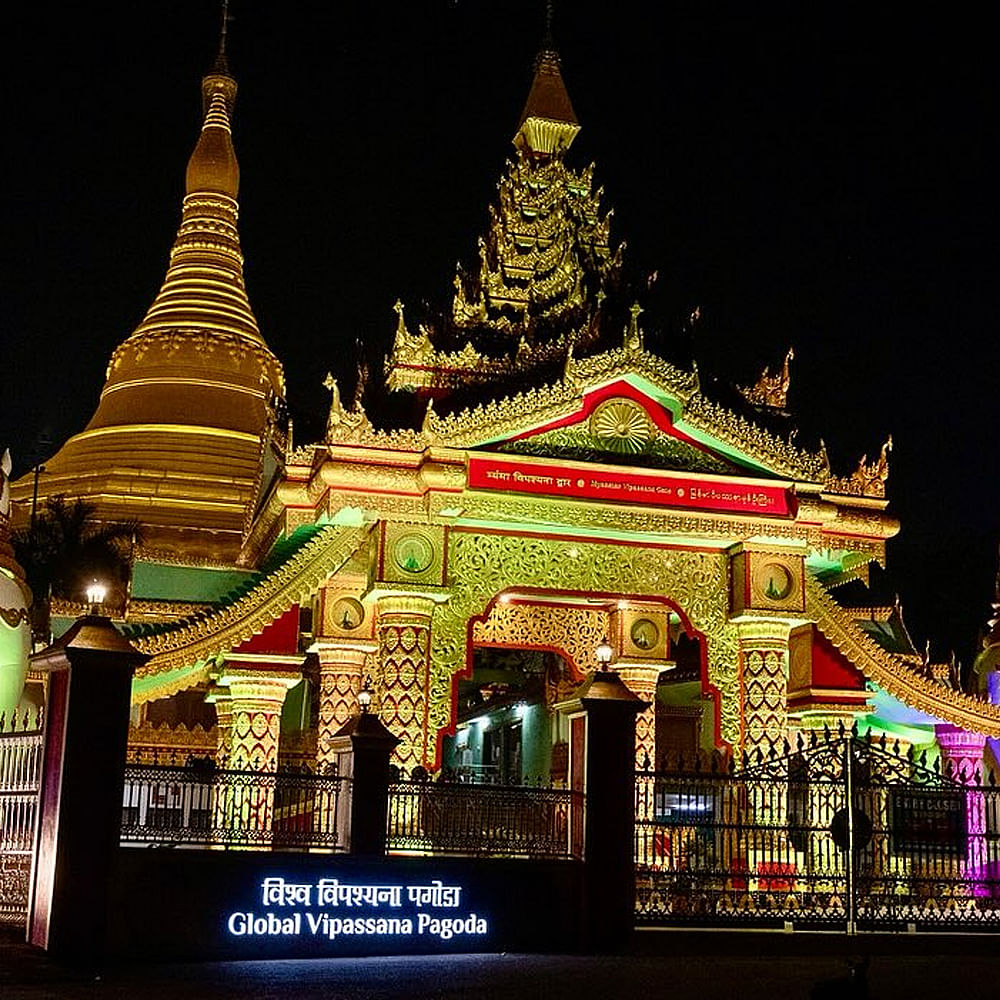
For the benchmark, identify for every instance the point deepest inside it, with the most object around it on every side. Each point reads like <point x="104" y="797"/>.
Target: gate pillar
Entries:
<point x="763" y="683"/>
<point x="963" y="758"/>
<point x="90" y="672"/>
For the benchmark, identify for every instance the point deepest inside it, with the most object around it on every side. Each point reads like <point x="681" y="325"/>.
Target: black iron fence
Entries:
<point x="839" y="831"/>
<point x="20" y="776"/>
<point x="200" y="805"/>
<point x="452" y="817"/>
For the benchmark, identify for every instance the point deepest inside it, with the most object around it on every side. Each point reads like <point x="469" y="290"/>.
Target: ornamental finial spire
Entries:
<point x="221" y="62"/>
<point x="548" y="123"/>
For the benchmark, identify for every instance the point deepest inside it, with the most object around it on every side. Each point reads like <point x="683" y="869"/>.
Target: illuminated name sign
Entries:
<point x="708" y="493"/>
<point x="329" y="908"/>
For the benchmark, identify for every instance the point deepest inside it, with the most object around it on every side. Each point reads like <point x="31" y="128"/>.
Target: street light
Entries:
<point x="603" y="654"/>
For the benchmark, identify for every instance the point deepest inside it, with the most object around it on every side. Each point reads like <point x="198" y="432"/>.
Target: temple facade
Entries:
<point x="554" y="491"/>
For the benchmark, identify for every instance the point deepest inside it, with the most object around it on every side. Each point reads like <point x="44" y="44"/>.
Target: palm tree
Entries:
<point x="66" y="549"/>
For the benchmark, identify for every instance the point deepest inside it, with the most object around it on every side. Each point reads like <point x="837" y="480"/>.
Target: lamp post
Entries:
<point x="364" y="698"/>
<point x="603" y="655"/>
<point x="96" y="592"/>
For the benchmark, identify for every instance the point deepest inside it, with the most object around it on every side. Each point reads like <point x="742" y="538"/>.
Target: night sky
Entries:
<point x="816" y="178"/>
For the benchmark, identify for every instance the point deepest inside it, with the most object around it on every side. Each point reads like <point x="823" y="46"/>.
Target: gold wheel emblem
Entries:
<point x="621" y="425"/>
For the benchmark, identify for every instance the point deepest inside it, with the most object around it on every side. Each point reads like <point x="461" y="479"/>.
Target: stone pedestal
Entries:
<point x="364" y="746"/>
<point x="609" y="905"/>
<point x="90" y="672"/>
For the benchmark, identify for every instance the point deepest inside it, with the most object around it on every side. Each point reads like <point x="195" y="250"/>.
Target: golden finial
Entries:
<point x="221" y="63"/>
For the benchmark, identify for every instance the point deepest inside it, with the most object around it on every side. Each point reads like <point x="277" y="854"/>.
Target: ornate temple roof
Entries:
<point x="192" y="403"/>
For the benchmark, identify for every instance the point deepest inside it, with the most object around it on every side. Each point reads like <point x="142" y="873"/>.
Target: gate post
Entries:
<point x="83" y="776"/>
<point x="609" y="851"/>
<point x="364" y="746"/>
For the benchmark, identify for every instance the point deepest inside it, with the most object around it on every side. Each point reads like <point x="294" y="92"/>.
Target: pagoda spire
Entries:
<point x="548" y="123"/>
<point x="203" y="289"/>
<point x="191" y="411"/>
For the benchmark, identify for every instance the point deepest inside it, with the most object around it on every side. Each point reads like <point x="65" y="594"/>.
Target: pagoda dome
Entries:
<point x="190" y="413"/>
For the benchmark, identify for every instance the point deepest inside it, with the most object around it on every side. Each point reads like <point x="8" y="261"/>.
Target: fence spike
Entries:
<point x="993" y="779"/>
<point x="645" y="760"/>
<point x="923" y="757"/>
<point x="799" y="742"/>
<point x="715" y="762"/>
<point x="977" y="775"/>
<point x="760" y="756"/>
<point x="881" y="741"/>
<point x="826" y="732"/>
<point x="3" y="717"/>
<point x="697" y="763"/>
<point x="786" y="748"/>
<point x="854" y="728"/>
<point x="731" y="764"/>
<point x="841" y="731"/>
<point x="770" y="751"/>
<point x="962" y="776"/>
<point x="813" y="736"/>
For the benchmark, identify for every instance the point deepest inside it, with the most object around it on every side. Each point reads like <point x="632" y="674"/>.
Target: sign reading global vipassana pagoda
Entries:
<point x="384" y="915"/>
<point x="666" y="489"/>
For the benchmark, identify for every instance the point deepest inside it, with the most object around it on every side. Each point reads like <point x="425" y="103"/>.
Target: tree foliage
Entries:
<point x="67" y="548"/>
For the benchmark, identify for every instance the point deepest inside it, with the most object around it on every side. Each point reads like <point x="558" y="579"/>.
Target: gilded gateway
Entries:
<point x="557" y="484"/>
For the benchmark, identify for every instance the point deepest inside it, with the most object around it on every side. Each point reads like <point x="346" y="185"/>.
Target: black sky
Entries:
<point x="817" y="177"/>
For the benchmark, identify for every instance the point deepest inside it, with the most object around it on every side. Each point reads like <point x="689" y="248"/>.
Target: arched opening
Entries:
<point x="505" y="728"/>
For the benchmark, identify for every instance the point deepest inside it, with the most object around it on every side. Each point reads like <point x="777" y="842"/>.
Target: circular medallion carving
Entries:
<point x="413" y="553"/>
<point x="774" y="581"/>
<point x="348" y="614"/>
<point x="644" y="633"/>
<point x="621" y="425"/>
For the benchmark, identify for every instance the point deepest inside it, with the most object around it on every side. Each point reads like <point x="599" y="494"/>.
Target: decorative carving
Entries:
<point x="622" y="425"/>
<point x="771" y="389"/>
<point x="764" y="646"/>
<point x="573" y="632"/>
<point x="482" y="566"/>
<point x="195" y="642"/>
<point x="867" y="480"/>
<point x="902" y="676"/>
<point x="404" y="624"/>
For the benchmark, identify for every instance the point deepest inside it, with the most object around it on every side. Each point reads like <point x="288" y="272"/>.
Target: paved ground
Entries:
<point x="706" y="966"/>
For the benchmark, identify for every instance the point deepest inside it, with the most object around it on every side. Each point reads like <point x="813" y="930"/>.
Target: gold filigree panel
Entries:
<point x="575" y="632"/>
<point x="481" y="566"/>
<point x="765" y="699"/>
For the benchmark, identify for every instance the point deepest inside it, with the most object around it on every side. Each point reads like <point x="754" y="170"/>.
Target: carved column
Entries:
<point x="257" y="687"/>
<point x="962" y="757"/>
<point x="763" y="683"/>
<point x="404" y="636"/>
<point x="641" y="678"/>
<point x="341" y="672"/>
<point x="221" y="698"/>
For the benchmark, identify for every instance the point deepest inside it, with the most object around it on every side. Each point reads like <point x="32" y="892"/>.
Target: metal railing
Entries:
<point x="841" y="832"/>
<point x="199" y="805"/>
<point x="441" y="817"/>
<point x="20" y="776"/>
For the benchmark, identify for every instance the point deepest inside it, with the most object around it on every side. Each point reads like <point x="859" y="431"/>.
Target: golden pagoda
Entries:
<point x="189" y="427"/>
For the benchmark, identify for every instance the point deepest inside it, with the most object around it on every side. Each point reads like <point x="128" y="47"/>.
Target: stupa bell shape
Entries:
<point x="189" y="417"/>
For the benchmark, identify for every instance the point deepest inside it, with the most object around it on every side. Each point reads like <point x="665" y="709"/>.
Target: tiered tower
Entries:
<point x="545" y="264"/>
<point x="188" y="430"/>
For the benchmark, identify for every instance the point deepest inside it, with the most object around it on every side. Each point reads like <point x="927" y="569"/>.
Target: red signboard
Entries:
<point x="663" y="489"/>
